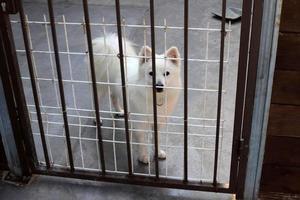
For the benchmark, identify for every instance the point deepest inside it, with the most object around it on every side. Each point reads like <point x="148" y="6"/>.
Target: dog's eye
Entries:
<point x="150" y="73"/>
<point x="166" y="73"/>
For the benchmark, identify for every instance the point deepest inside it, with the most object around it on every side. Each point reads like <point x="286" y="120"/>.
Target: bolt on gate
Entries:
<point x="34" y="120"/>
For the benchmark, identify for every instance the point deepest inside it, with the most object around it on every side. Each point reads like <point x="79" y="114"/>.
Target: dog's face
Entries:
<point x="167" y="70"/>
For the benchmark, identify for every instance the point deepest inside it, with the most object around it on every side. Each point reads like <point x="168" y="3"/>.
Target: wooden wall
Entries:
<point x="281" y="169"/>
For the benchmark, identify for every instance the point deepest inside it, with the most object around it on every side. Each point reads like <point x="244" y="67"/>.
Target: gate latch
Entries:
<point x="9" y="6"/>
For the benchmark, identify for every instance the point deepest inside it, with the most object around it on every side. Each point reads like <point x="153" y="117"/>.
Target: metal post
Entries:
<point x="7" y="134"/>
<point x="250" y="92"/>
<point x="263" y="90"/>
<point x="14" y="120"/>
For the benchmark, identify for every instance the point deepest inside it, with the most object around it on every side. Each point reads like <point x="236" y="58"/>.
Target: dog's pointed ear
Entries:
<point x="145" y="54"/>
<point x="174" y="54"/>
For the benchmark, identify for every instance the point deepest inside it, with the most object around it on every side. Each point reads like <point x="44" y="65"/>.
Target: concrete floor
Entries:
<point x="200" y="160"/>
<point x="53" y="188"/>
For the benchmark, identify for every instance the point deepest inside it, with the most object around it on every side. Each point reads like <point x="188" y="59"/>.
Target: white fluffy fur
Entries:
<point x="139" y="98"/>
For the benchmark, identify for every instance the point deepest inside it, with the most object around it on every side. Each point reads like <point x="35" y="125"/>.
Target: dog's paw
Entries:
<point x="143" y="159"/>
<point x="119" y="115"/>
<point x="162" y="155"/>
<point x="95" y="122"/>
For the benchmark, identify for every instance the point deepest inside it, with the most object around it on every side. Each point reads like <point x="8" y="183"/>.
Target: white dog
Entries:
<point x="139" y="79"/>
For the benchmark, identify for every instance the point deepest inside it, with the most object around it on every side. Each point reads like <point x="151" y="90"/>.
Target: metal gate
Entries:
<point x="12" y="84"/>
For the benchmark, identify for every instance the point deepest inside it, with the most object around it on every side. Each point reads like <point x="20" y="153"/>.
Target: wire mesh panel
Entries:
<point x="168" y="117"/>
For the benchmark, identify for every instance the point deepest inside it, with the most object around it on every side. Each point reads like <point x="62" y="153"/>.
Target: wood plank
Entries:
<point x="278" y="196"/>
<point x="280" y="179"/>
<point x="290" y="16"/>
<point x="284" y="120"/>
<point x="288" y="51"/>
<point x="283" y="151"/>
<point x="286" y="87"/>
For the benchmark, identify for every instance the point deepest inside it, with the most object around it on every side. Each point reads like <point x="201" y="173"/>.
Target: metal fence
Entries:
<point x="38" y="112"/>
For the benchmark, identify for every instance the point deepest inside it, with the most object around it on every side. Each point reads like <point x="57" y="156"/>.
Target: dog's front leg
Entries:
<point x="141" y="137"/>
<point x="161" y="153"/>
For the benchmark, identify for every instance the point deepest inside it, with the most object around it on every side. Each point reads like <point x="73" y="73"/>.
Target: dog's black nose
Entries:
<point x="159" y="87"/>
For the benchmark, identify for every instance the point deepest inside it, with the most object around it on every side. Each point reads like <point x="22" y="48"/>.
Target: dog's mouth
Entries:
<point x="159" y="87"/>
<point x="159" y="90"/>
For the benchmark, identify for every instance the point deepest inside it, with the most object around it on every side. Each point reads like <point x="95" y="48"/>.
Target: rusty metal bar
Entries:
<point x="93" y="75"/>
<point x="240" y="91"/>
<point x="121" y="57"/>
<point x="186" y="25"/>
<point x="60" y="83"/>
<point x="223" y="33"/>
<point x="152" y="23"/>
<point x="33" y="84"/>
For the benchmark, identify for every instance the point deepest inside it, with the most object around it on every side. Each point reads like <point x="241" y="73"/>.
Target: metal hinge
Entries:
<point x="241" y="146"/>
<point x="9" y="6"/>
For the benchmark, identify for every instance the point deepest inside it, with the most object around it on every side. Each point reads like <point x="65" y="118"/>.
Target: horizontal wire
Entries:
<point x="116" y="119"/>
<point x="136" y="121"/>
<point x="115" y="55"/>
<point x="133" y="114"/>
<point x="125" y="25"/>
<point x="118" y="84"/>
<point x="124" y="142"/>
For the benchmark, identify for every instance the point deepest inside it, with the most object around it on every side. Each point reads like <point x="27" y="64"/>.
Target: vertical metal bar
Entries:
<point x="93" y="75"/>
<point x="60" y="83"/>
<point x="33" y="84"/>
<point x="166" y="96"/>
<point x="152" y="24"/>
<point x="73" y="91"/>
<point x="186" y="24"/>
<point x="109" y="97"/>
<point x="121" y="57"/>
<point x="241" y="81"/>
<point x="220" y="91"/>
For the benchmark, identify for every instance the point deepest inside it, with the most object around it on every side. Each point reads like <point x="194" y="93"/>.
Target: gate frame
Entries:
<point x="252" y="144"/>
<point x="15" y="126"/>
<point x="262" y="98"/>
